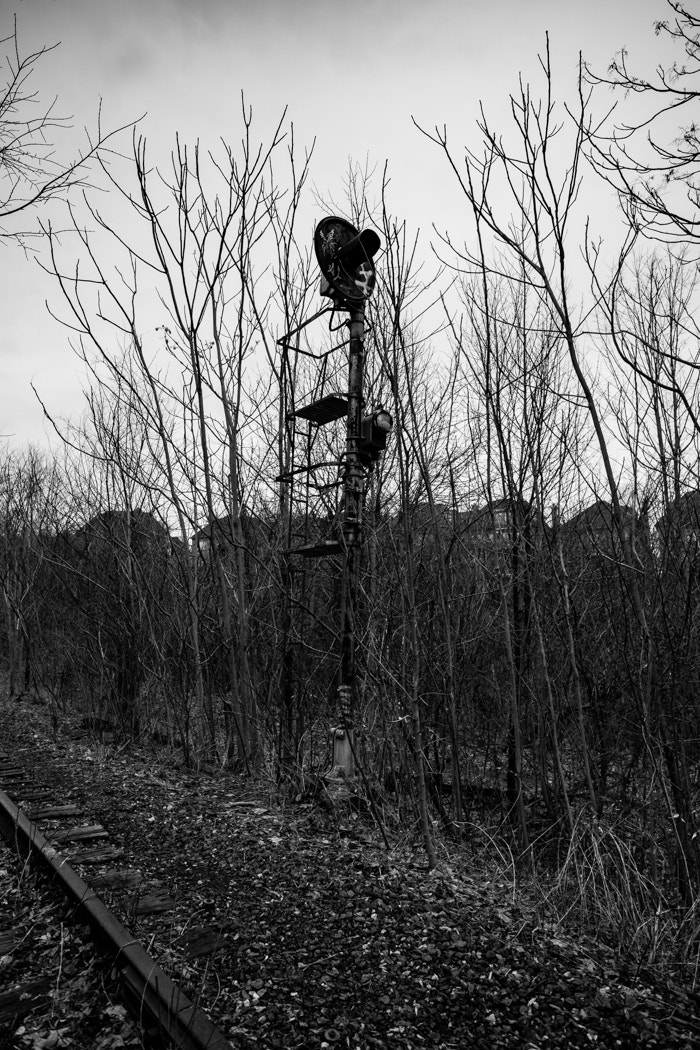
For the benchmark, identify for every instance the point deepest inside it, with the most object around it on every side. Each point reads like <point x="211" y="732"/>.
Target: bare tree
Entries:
<point x="654" y="165"/>
<point x="191" y="263"/>
<point x="531" y="233"/>
<point x="29" y="488"/>
<point x="31" y="171"/>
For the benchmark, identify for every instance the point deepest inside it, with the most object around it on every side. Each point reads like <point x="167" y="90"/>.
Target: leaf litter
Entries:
<point x="74" y="998"/>
<point x="293" y="929"/>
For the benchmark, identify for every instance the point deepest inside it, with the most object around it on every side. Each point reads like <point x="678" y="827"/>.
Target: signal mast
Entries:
<point x="345" y="258"/>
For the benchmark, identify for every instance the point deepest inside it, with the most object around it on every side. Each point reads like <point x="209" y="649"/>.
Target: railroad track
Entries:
<point x="79" y="859"/>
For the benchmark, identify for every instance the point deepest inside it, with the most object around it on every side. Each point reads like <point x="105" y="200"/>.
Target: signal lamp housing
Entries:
<point x="345" y="260"/>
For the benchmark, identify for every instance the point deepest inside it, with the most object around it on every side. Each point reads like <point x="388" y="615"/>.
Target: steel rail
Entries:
<point x="151" y="993"/>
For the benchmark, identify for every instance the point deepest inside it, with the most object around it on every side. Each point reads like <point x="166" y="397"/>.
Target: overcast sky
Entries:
<point x="351" y="74"/>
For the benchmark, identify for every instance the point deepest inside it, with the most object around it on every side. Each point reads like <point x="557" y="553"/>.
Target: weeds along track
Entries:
<point x="79" y="860"/>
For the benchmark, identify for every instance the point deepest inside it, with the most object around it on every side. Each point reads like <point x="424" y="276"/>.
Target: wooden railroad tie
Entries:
<point x="203" y="940"/>
<point x="9" y="939"/>
<point x="153" y="902"/>
<point x="11" y="773"/>
<point x="34" y="795"/>
<point x="117" y="879"/>
<point x="97" y="855"/>
<point x="52" y="812"/>
<point x="86" y="834"/>
<point x="24" y="999"/>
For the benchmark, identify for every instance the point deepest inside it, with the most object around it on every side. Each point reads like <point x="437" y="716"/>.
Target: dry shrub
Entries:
<point x="603" y="887"/>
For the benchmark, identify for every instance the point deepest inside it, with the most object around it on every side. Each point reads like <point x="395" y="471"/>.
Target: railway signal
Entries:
<point x="346" y="260"/>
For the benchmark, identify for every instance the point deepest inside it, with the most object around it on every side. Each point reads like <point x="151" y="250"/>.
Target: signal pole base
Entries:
<point x="341" y="781"/>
